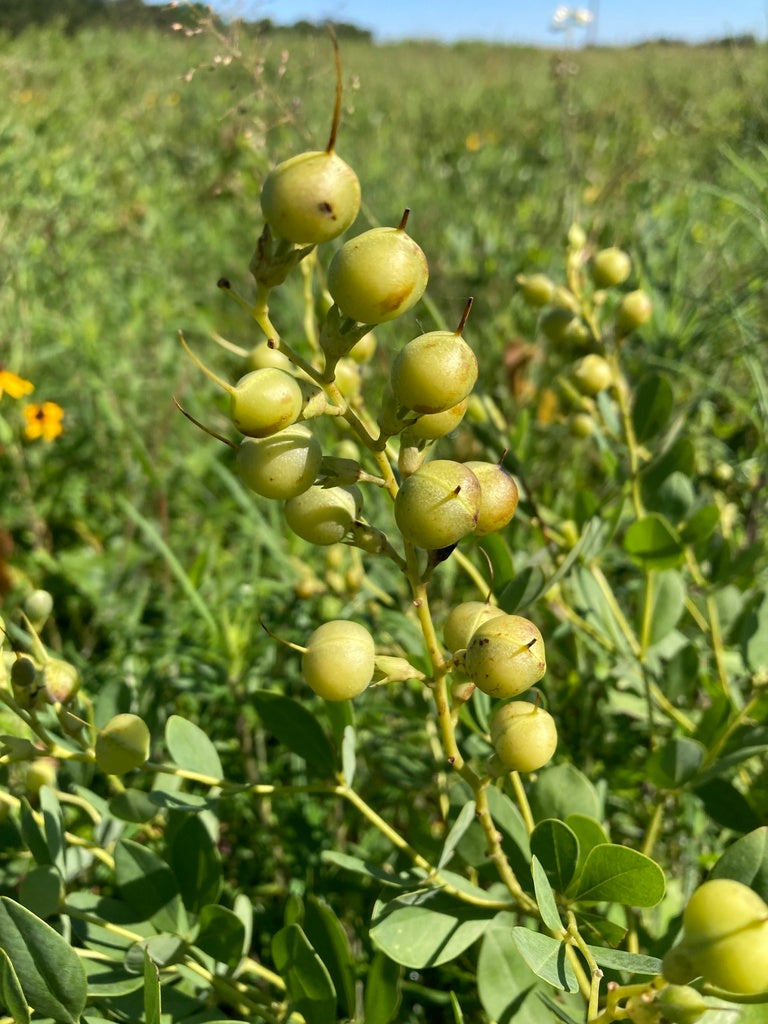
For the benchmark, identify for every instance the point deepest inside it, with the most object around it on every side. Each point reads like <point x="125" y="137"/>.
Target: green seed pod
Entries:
<point x="263" y="356"/>
<point x="634" y="310"/>
<point x="681" y="1004"/>
<point x="60" y="679"/>
<point x="557" y="323"/>
<point x="505" y="656"/>
<point x="592" y="373"/>
<point x="463" y="620"/>
<point x="725" y="936"/>
<point x="338" y="662"/>
<point x="265" y="401"/>
<point x="523" y="735"/>
<point x="347" y="378"/>
<point x="23" y="674"/>
<point x="323" y="515"/>
<point x="642" y="1009"/>
<point x="438" y="505"/>
<point x="610" y="267"/>
<point x="38" y="606"/>
<point x="363" y="350"/>
<point x="537" y="289"/>
<point x="498" y="497"/>
<point x="433" y="425"/>
<point x="433" y="372"/>
<point x="40" y="772"/>
<point x="122" y="745"/>
<point x="378" y="275"/>
<point x="581" y="425"/>
<point x="310" y="198"/>
<point x="282" y="465"/>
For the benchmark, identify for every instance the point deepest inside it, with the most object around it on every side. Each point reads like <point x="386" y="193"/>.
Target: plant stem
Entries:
<point x="522" y="800"/>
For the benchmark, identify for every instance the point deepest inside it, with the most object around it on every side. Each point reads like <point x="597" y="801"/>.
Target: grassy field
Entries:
<point x="131" y="168"/>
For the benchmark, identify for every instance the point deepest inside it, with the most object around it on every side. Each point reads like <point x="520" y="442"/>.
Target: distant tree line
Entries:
<point x="72" y="15"/>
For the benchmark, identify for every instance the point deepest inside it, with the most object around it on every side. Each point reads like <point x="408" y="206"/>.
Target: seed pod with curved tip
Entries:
<point x="434" y="372"/>
<point x="378" y="275"/>
<point x="506" y="656"/>
<point x="438" y="505"/>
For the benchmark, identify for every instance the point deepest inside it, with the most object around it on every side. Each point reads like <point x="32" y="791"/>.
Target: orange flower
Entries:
<point x="15" y="386"/>
<point x="43" y="420"/>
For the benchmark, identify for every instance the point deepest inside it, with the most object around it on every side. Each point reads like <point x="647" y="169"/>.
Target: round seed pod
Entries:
<point x="282" y="465"/>
<point x="265" y="401"/>
<point x="506" y="656"/>
<point x="433" y="372"/>
<point x="338" y="663"/>
<point x="262" y="356"/>
<point x="537" y="289"/>
<point x="122" y="745"/>
<point x="310" y="198"/>
<point x="592" y="373"/>
<point x="681" y="1004"/>
<point x="38" y="606"/>
<point x="523" y="735"/>
<point x="634" y="310"/>
<point x="433" y="425"/>
<point x="60" y="679"/>
<point x="498" y="497"/>
<point x="438" y="504"/>
<point x="610" y="267"/>
<point x="323" y="515"/>
<point x="378" y="275"/>
<point x="725" y="936"/>
<point x="463" y="620"/>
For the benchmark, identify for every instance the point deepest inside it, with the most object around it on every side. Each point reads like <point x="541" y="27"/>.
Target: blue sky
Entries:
<point x="618" y="21"/>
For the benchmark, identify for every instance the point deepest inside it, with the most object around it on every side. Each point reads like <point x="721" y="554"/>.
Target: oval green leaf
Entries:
<point x="746" y="861"/>
<point x="557" y="848"/>
<point x="11" y="992"/>
<point x="653" y="543"/>
<point x="546" y="958"/>
<point x="651" y="409"/>
<point x="191" y="748"/>
<point x="429" y="932"/>
<point x="296" y="727"/>
<point x="306" y="978"/>
<point x="48" y="969"/>
<point x="617" y="874"/>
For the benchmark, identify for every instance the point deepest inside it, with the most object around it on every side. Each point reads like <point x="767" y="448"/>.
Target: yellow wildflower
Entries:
<point x="43" y="420"/>
<point x="15" y="386"/>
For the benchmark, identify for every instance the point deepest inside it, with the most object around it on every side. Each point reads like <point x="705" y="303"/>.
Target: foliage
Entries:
<point x="277" y="854"/>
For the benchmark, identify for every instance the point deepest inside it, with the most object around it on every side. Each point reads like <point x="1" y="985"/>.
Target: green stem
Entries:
<point x="618" y="614"/>
<point x="633" y="449"/>
<point x="652" y="832"/>
<point x="522" y="801"/>
<point x="713" y="615"/>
